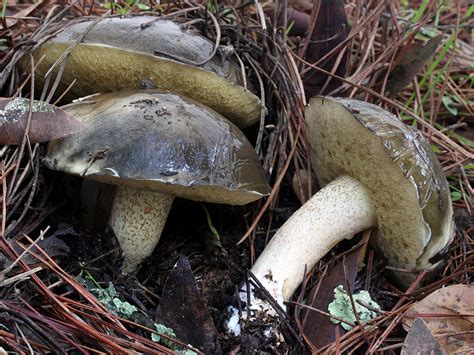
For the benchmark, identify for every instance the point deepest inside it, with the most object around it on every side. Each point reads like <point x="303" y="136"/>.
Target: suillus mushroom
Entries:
<point x="155" y="146"/>
<point x="143" y="52"/>
<point x="376" y="172"/>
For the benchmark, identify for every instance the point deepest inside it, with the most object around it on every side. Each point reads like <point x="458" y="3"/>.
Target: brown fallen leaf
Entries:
<point x="409" y="61"/>
<point x="300" y="184"/>
<point x="52" y="245"/>
<point x="47" y="121"/>
<point x="11" y="21"/>
<point x="297" y="21"/>
<point x="318" y="329"/>
<point x="449" y="316"/>
<point x="419" y="340"/>
<point x="183" y="309"/>
<point x="331" y="28"/>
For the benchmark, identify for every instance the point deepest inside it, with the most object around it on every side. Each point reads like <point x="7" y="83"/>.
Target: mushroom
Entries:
<point x="143" y="52"/>
<point x="155" y="146"/>
<point x="376" y="172"/>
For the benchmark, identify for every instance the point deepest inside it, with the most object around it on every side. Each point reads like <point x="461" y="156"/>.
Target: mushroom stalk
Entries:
<point x="338" y="211"/>
<point x="137" y="219"/>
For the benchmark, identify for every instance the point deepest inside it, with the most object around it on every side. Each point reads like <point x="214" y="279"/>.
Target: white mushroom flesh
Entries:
<point x="338" y="211"/>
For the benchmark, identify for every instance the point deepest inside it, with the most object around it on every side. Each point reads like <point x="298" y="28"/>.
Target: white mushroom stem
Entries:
<point x="137" y="219"/>
<point x="338" y="211"/>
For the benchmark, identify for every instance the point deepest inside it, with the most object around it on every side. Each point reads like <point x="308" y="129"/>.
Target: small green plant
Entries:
<point x="125" y="6"/>
<point x="4" y="9"/>
<point x="430" y="73"/>
<point x="213" y="229"/>
<point x="448" y="102"/>
<point x="210" y="6"/>
<point x="421" y="10"/>
<point x="455" y="195"/>
<point x="3" y="43"/>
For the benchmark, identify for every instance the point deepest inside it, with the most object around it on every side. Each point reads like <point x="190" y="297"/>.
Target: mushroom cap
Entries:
<point x="142" y="52"/>
<point x="398" y="168"/>
<point x="158" y="141"/>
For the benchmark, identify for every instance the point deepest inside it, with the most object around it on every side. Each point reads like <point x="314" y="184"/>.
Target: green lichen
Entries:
<point x="109" y="298"/>
<point x="342" y="307"/>
<point x="163" y="329"/>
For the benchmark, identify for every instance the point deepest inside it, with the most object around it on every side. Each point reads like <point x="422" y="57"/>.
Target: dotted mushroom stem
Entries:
<point x="137" y="219"/>
<point x="338" y="211"/>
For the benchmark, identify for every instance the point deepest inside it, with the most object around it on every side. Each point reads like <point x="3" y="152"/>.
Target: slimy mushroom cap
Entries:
<point x="142" y="52"/>
<point x="156" y="146"/>
<point x="151" y="140"/>
<point x="396" y="165"/>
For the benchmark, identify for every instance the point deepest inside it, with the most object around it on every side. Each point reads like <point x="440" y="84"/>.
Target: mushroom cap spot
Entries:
<point x="158" y="141"/>
<point x="396" y="165"/>
<point x="127" y="54"/>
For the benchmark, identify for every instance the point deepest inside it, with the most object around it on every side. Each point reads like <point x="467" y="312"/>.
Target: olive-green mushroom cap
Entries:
<point x="158" y="141"/>
<point x="396" y="165"/>
<point x="143" y="52"/>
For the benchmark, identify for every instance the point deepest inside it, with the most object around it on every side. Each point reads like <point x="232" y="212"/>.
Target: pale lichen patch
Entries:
<point x="17" y="107"/>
